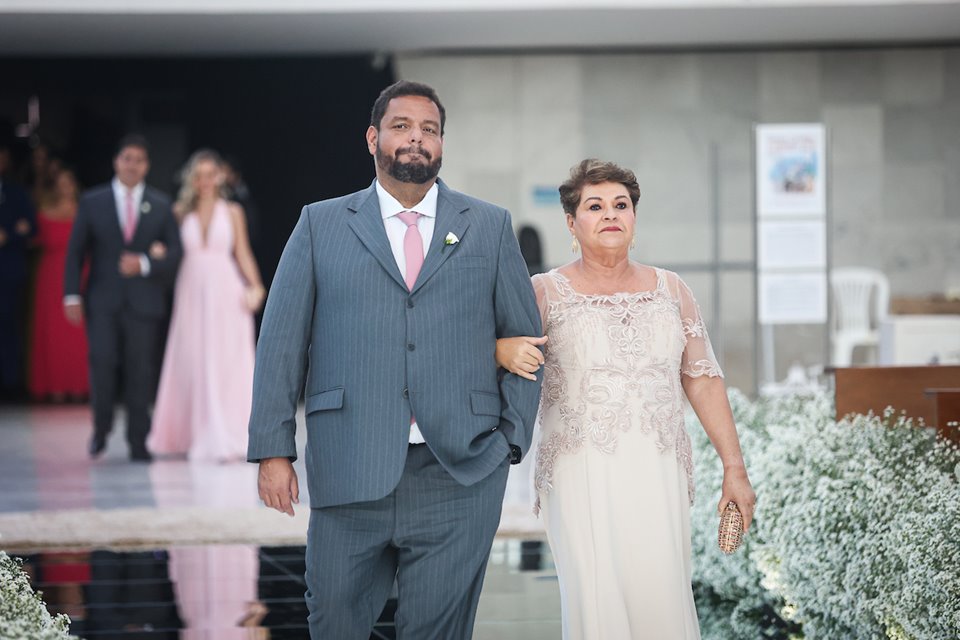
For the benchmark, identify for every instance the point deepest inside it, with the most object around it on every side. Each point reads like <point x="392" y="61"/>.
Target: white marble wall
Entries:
<point x="520" y="121"/>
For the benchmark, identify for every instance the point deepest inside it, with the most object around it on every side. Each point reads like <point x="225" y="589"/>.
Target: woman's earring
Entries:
<point x="575" y="246"/>
<point x="633" y="242"/>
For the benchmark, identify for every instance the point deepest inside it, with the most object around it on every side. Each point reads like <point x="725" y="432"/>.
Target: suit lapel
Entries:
<point x="367" y="223"/>
<point x="450" y="208"/>
<point x="110" y="210"/>
<point x="143" y="218"/>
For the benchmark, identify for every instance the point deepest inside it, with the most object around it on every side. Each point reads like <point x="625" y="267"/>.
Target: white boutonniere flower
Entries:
<point x="451" y="239"/>
<point x="145" y="207"/>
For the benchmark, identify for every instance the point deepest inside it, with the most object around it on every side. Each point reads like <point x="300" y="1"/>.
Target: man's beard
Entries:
<point x="414" y="172"/>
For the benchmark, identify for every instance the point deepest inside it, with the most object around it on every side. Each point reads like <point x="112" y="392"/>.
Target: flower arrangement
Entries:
<point x="23" y="614"/>
<point x="857" y="530"/>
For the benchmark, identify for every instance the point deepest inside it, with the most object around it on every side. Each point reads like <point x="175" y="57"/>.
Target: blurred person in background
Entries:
<point x="58" y="362"/>
<point x="17" y="227"/>
<point x="41" y="175"/>
<point x="236" y="190"/>
<point x="614" y="471"/>
<point x="35" y="169"/>
<point x="203" y="402"/>
<point x="530" y="247"/>
<point x="127" y="232"/>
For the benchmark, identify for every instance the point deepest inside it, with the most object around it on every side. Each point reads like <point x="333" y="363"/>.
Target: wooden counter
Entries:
<point x="931" y="393"/>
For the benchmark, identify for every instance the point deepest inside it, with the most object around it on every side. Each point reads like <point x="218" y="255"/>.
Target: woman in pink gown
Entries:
<point x="203" y="401"/>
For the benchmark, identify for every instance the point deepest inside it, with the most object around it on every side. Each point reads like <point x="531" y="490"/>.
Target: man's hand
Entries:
<point x="22" y="227"/>
<point x="277" y="484"/>
<point x="74" y="313"/>
<point x="130" y="264"/>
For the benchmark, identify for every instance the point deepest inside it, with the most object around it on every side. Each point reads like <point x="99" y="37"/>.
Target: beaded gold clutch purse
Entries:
<point x="730" y="534"/>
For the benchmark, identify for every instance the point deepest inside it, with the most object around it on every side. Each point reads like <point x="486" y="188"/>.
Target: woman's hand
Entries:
<point x="254" y="296"/>
<point x="737" y="489"/>
<point x="520" y="355"/>
<point x="158" y="251"/>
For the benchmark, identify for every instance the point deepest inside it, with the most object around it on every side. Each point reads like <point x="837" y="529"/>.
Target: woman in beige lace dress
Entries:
<point x="614" y="482"/>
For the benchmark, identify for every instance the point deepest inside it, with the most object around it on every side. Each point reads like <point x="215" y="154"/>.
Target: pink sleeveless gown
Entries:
<point x="203" y="401"/>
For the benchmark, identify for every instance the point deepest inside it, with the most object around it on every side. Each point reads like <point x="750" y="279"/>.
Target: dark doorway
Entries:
<point x="295" y="125"/>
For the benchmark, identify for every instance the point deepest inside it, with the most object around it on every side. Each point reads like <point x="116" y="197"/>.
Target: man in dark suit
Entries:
<point x="17" y="226"/>
<point x="387" y="305"/>
<point x="128" y="232"/>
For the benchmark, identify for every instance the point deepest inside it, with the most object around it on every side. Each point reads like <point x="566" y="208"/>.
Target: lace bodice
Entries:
<point x="614" y="363"/>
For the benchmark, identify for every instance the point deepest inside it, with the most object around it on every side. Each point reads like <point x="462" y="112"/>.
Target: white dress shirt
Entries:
<point x="396" y="230"/>
<point x="120" y="197"/>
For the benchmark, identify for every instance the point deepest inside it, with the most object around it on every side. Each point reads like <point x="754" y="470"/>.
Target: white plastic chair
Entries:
<point x="861" y="299"/>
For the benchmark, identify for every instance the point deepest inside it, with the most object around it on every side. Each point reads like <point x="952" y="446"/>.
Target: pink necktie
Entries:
<point x="412" y="253"/>
<point x="131" y="219"/>
<point x="412" y="246"/>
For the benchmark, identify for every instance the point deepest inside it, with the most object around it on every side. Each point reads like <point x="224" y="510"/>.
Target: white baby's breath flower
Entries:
<point x="869" y="505"/>
<point x="23" y="614"/>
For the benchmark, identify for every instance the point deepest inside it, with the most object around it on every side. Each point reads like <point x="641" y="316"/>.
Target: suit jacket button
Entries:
<point x="411" y="347"/>
<point x="406" y="394"/>
<point x="409" y="303"/>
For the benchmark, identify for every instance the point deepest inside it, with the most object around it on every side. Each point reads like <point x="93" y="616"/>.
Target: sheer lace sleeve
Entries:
<point x="698" y="357"/>
<point x="541" y="283"/>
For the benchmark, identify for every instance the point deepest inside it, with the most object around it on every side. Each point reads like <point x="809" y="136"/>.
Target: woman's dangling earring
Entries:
<point x="575" y="246"/>
<point x="633" y="242"/>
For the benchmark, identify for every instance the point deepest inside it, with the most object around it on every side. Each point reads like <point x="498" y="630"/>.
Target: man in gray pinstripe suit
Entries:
<point x="388" y="303"/>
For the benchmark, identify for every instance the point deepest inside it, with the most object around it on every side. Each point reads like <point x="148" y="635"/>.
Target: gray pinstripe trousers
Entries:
<point x="430" y="533"/>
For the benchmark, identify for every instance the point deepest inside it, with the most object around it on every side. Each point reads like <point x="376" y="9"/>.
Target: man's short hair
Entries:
<point x="399" y="90"/>
<point x="133" y="140"/>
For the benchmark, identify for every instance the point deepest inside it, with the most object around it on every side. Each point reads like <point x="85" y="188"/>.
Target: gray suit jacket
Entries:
<point x="340" y="315"/>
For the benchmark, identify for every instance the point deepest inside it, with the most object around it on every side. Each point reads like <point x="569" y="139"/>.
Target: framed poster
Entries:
<point x="793" y="298"/>
<point x="792" y="244"/>
<point x="791" y="169"/>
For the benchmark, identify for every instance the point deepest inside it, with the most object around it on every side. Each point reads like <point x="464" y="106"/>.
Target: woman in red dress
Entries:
<point x="59" y="350"/>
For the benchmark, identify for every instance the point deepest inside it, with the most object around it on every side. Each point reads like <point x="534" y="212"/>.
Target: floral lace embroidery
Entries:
<point x="636" y="386"/>
<point x="703" y="367"/>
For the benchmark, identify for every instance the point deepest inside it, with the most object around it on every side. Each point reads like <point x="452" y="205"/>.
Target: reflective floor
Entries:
<point x="230" y="592"/>
<point x="178" y="587"/>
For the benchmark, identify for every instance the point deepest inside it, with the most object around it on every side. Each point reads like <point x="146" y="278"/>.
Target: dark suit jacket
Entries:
<point x="14" y="206"/>
<point x="339" y="309"/>
<point x="97" y="234"/>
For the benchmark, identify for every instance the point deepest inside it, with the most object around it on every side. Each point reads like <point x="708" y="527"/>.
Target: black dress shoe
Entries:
<point x="97" y="444"/>
<point x="141" y="456"/>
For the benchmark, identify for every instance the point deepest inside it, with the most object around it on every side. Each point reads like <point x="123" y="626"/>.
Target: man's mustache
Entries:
<point x="420" y="150"/>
